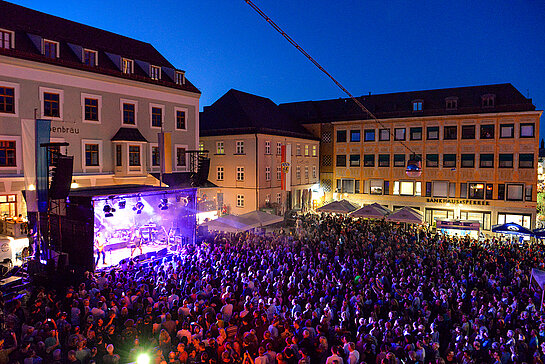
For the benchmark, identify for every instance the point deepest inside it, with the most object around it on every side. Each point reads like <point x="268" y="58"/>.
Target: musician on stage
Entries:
<point x="136" y="241"/>
<point x="99" y="245"/>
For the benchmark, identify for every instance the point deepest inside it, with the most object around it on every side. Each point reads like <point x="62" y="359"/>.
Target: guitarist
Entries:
<point x="99" y="246"/>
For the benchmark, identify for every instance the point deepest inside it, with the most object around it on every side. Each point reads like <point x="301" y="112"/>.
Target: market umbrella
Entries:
<point x="339" y="207"/>
<point x="258" y="218"/>
<point x="406" y="214"/>
<point x="373" y="211"/>
<point x="512" y="228"/>
<point x="539" y="233"/>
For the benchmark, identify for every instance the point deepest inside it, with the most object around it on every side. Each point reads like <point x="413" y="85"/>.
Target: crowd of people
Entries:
<point x="334" y="291"/>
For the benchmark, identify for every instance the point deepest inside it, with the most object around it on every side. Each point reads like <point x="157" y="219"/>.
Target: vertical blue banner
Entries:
<point x="43" y="128"/>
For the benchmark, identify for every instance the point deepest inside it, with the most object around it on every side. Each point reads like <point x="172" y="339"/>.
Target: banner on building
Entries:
<point x="165" y="152"/>
<point x="29" y="163"/>
<point x="286" y="167"/>
<point x="43" y="130"/>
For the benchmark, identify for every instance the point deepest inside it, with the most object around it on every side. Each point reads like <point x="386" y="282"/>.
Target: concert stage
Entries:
<point x="125" y="220"/>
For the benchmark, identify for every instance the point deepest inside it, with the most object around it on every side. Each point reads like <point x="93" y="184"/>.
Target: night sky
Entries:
<point x="369" y="46"/>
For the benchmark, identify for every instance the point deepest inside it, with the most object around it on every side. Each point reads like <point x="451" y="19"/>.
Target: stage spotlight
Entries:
<point x="164" y="204"/>
<point x="108" y="210"/>
<point x="121" y="204"/>
<point x="138" y="207"/>
<point x="143" y="359"/>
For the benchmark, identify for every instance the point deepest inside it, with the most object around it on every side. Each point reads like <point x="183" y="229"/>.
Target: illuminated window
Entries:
<point x="314" y="150"/>
<point x="306" y="150"/>
<point x="127" y="66"/>
<point x="384" y="135"/>
<point x="527" y="130"/>
<point x="475" y="191"/>
<point x="507" y="130"/>
<point x="417" y="105"/>
<point x="219" y="148"/>
<point x="399" y="134"/>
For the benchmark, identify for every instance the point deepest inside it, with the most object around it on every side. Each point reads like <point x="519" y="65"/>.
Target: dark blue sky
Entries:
<point x="369" y="46"/>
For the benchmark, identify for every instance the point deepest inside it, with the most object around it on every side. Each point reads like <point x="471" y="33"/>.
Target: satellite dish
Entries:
<point x="414" y="167"/>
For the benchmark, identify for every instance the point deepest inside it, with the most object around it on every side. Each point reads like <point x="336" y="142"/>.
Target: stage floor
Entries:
<point x="113" y="257"/>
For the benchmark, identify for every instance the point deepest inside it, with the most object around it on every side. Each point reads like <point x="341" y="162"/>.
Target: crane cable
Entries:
<point x="309" y="57"/>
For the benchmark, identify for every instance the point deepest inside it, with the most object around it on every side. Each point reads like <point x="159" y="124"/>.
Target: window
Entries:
<point x="384" y="160"/>
<point x="240" y="173"/>
<point x="240" y="200"/>
<point x="488" y="100"/>
<point x="341" y="160"/>
<point x="155" y="157"/>
<point x="417" y="105"/>
<point x="475" y="191"/>
<point x="51" y="49"/>
<point x="384" y="135"/>
<point x="306" y="172"/>
<point x="90" y="57"/>
<point x="313" y="171"/>
<point x="341" y="136"/>
<point x="486" y="161"/>
<point x="129" y="113"/>
<point x="278" y="198"/>
<point x="306" y="150"/>
<point x="450" y="132"/>
<point x="298" y="149"/>
<point x="487" y="131"/>
<point x="399" y="160"/>
<point x="528" y="193"/>
<point x="201" y="146"/>
<point x="355" y="136"/>
<point x="501" y="191"/>
<point x="155" y="73"/>
<point x="314" y="150"/>
<point x="526" y="160"/>
<point x="416" y="133"/>
<point x="369" y="135"/>
<point x="507" y="130"/>
<point x="180" y="78"/>
<point x="7" y="100"/>
<point x="219" y="148"/>
<point x="468" y="160"/>
<point x="239" y="147"/>
<point x="134" y="155"/>
<point x="451" y="103"/>
<point x="91" y="109"/>
<point x="440" y="189"/>
<point x="406" y="188"/>
<point x="180" y="119"/>
<point x="468" y="131"/>
<point x="432" y="133"/>
<point x="489" y="193"/>
<point x="432" y="160"/>
<point x="399" y="134"/>
<point x="386" y="187"/>
<point x="521" y="219"/>
<point x="463" y="190"/>
<point x="180" y="157"/>
<point x="51" y="104"/>
<point x="369" y="160"/>
<point x="505" y="160"/>
<point x="267" y="173"/>
<point x="357" y="186"/>
<point x="156" y="117"/>
<point x="449" y="160"/>
<point x="6" y="39"/>
<point x="219" y="173"/>
<point x="527" y="130"/>
<point x="354" y="160"/>
<point x="278" y="148"/>
<point x="376" y="186"/>
<point x="428" y="189"/>
<point x="127" y="66"/>
<point x="279" y="173"/>
<point x="298" y="172"/>
<point x="7" y="153"/>
<point x="91" y="155"/>
<point x="515" y="192"/>
<point x="118" y="155"/>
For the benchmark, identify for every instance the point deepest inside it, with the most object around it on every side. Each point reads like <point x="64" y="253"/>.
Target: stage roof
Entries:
<point x="117" y="190"/>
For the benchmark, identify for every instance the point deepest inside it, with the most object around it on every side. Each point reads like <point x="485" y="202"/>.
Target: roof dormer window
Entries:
<point x="180" y="78"/>
<point x="127" y="66"/>
<point x="451" y="103"/>
<point x="51" y="49"/>
<point x="417" y="105"/>
<point x="6" y="39"/>
<point x="488" y="100"/>
<point x="155" y="72"/>
<point x="90" y="57"/>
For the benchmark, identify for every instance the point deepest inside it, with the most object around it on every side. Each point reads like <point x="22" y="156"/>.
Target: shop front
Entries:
<point x="452" y="227"/>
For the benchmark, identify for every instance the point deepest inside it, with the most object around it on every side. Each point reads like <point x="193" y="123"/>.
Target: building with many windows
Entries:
<point x="259" y="158"/>
<point x="106" y="95"/>
<point x="478" y="148"/>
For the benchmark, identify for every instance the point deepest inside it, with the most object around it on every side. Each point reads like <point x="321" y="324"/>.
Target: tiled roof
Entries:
<point x="399" y="105"/>
<point x="30" y="26"/>
<point x="239" y="112"/>
<point x="128" y="135"/>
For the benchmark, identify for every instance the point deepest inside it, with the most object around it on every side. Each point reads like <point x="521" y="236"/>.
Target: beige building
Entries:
<point x="244" y="135"/>
<point x="478" y="147"/>
<point x="106" y="95"/>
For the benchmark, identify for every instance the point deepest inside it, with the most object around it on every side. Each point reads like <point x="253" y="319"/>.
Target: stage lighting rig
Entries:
<point x="138" y="207"/>
<point x="164" y="204"/>
<point x="108" y="210"/>
<point x="121" y="204"/>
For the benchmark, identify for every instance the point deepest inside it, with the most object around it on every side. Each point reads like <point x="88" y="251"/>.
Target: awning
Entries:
<point x="373" y="211"/>
<point x="259" y="218"/>
<point x="406" y="214"/>
<point x="339" y="207"/>
<point x="245" y="222"/>
<point x="511" y="228"/>
<point x="128" y="135"/>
